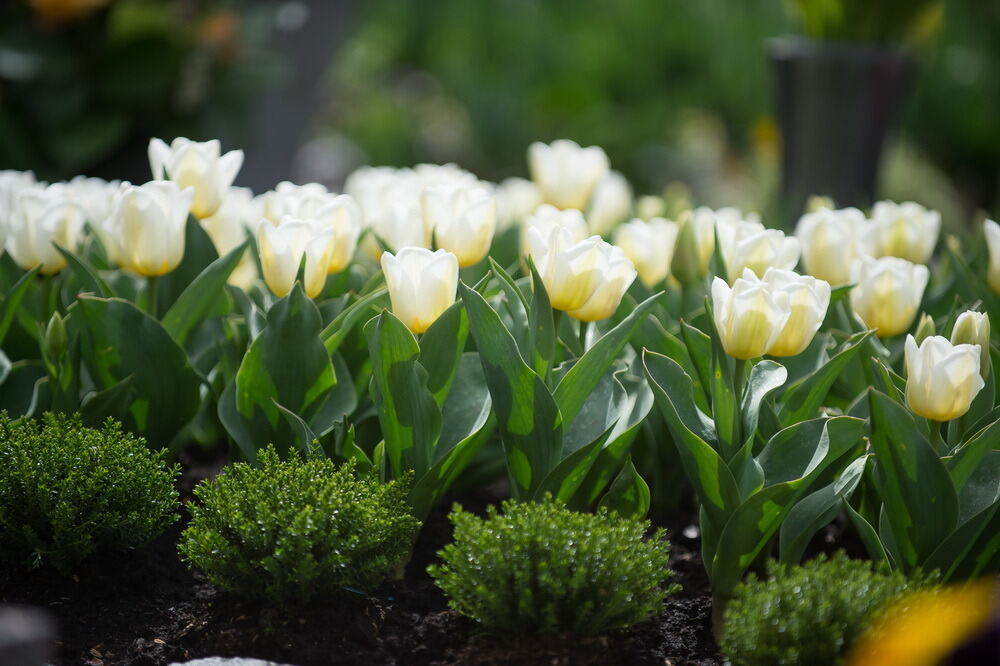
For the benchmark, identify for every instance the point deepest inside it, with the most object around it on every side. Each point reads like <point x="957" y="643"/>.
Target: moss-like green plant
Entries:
<point x="68" y="491"/>
<point x="295" y="530"/>
<point x="539" y="568"/>
<point x="808" y="614"/>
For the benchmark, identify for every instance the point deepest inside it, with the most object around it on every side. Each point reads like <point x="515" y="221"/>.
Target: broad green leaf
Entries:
<point x="431" y="487"/>
<point x="541" y="327"/>
<point x="12" y="300"/>
<point x="963" y="463"/>
<point x="917" y="493"/>
<point x="205" y="295"/>
<point x="577" y="384"/>
<point x="982" y="490"/>
<point x="307" y="440"/>
<point x="765" y="377"/>
<point x="441" y="348"/>
<point x="114" y="401"/>
<point x="569" y="473"/>
<point x="629" y="494"/>
<point x="699" y="351"/>
<point x="17" y="390"/>
<point x="529" y="420"/>
<point x="804" y="449"/>
<point x="199" y="253"/>
<point x="407" y="411"/>
<point x="802" y="400"/>
<point x="335" y="332"/>
<point x="869" y="537"/>
<point x="120" y="341"/>
<point x="89" y="278"/>
<point x="467" y="408"/>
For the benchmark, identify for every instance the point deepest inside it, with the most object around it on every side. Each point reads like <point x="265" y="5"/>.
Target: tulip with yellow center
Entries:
<point x="749" y="246"/>
<point x="150" y="221"/>
<point x="992" y="232"/>
<point x="887" y="293"/>
<point x="808" y="300"/>
<point x="650" y="246"/>
<point x="196" y="165"/>
<point x="585" y="279"/>
<point x="907" y="230"/>
<point x="41" y="218"/>
<point x="942" y="379"/>
<point x="463" y="219"/>
<point x="228" y="227"/>
<point x="282" y="249"/>
<point x="341" y="215"/>
<point x="610" y="204"/>
<point x="546" y="218"/>
<point x="973" y="328"/>
<point x="831" y="241"/>
<point x="749" y="316"/>
<point x="422" y="284"/>
<point x="566" y="173"/>
<point x="301" y="202"/>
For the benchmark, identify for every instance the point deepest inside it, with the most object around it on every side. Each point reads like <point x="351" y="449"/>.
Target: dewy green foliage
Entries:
<point x="541" y="568"/>
<point x="68" y="492"/>
<point x="291" y="531"/>
<point x="808" y="614"/>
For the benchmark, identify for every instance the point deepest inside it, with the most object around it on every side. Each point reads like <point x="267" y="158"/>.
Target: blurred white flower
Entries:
<point x="906" y="230"/>
<point x="649" y="206"/>
<point x="748" y="244"/>
<point x="282" y="249"/>
<point x="650" y="246"/>
<point x="831" y="241"/>
<point x="610" y="204"/>
<point x="516" y="199"/>
<point x="297" y="201"/>
<point x="462" y="218"/>
<point x="41" y="217"/>
<point x="546" y="218"/>
<point x="198" y="165"/>
<point x="992" y="232"/>
<point x="973" y="328"/>
<point x="566" y="173"/>
<point x="228" y="227"/>
<point x="887" y="293"/>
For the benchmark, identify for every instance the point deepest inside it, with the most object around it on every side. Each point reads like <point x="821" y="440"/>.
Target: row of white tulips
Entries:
<point x="572" y="200"/>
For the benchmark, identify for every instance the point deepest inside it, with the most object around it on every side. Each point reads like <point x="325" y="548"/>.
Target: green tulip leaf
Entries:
<point x="765" y="377"/>
<point x="802" y="400"/>
<point x="628" y="495"/>
<point x="441" y="348"/>
<point x="89" y="278"/>
<point x="12" y="300"/>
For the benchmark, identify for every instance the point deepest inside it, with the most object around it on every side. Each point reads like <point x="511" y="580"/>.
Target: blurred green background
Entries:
<point x="673" y="90"/>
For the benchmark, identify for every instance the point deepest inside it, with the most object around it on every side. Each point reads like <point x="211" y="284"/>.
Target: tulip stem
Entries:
<point x="583" y="337"/>
<point x="152" y="282"/>
<point x="937" y="442"/>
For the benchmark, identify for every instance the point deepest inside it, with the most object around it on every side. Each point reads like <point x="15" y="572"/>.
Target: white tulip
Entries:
<point x="342" y="215"/>
<point x="973" y="328"/>
<point x="282" y="249"/>
<point x="808" y="300"/>
<point x="992" y="232"/>
<point x="198" y="165"/>
<point x="650" y="206"/>
<point x="228" y="227"/>
<point x="705" y="222"/>
<point x="402" y="225"/>
<point x="887" y="293"/>
<point x="566" y="173"/>
<point x="546" y="218"/>
<point x="749" y="245"/>
<point x="831" y="241"/>
<point x="610" y="204"/>
<point x="463" y="219"/>
<point x="296" y="201"/>
<point x="749" y="316"/>
<point x="906" y="230"/>
<point x="149" y="221"/>
<point x="43" y="216"/>
<point x="422" y="284"/>
<point x="586" y="279"/>
<point x="650" y="246"/>
<point x="516" y="199"/>
<point x="942" y="379"/>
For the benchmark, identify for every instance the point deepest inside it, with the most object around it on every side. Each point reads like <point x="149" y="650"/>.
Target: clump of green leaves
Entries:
<point x="541" y="568"/>
<point x="68" y="491"/>
<point x="808" y="614"/>
<point x="291" y="531"/>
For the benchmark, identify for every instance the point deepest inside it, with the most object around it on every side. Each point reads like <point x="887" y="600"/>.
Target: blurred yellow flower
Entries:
<point x="61" y="11"/>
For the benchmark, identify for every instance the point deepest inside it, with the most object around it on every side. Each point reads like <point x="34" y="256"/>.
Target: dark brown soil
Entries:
<point x="146" y="607"/>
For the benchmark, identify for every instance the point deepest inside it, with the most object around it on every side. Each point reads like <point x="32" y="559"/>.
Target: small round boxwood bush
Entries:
<point x="539" y="568"/>
<point x="291" y="531"/>
<point x="808" y="614"/>
<point x="68" y="491"/>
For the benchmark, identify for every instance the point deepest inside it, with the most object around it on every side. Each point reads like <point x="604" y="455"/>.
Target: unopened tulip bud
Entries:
<point x="56" y="340"/>
<point x="197" y="165"/>
<point x="942" y="379"/>
<point x="685" y="264"/>
<point x="749" y="316"/>
<point x="925" y="328"/>
<point x="151" y="221"/>
<point x="887" y="293"/>
<point x="808" y="300"/>
<point x="650" y="246"/>
<point x="973" y="328"/>
<point x="422" y="284"/>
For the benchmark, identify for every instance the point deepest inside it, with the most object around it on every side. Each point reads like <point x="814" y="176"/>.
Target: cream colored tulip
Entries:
<point x="749" y="316"/>
<point x="748" y="245"/>
<point x="228" y="227"/>
<point x="422" y="284"/>
<point x="584" y="278"/>
<point x="42" y="217"/>
<point x="402" y="225"/>
<point x="150" y="221"/>
<point x="610" y="204"/>
<point x="705" y="223"/>
<point x="546" y="218"/>
<point x="341" y="215"/>
<point x="649" y="206"/>
<point x="942" y="379"/>
<point x="906" y="230"/>
<point x="887" y="293"/>
<point x="516" y="199"/>
<point x="992" y="232"/>
<point x="566" y="173"/>
<point x="973" y="328"/>
<point x="808" y="300"/>
<point x="831" y="241"/>
<point x="198" y="165"/>
<point x="282" y="249"/>
<point x="650" y="246"/>
<point x="463" y="219"/>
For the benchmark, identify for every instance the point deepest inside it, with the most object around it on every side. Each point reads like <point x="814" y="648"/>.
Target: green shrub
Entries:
<point x="809" y="614"/>
<point x="541" y="568"/>
<point x="68" y="491"/>
<point x="291" y="531"/>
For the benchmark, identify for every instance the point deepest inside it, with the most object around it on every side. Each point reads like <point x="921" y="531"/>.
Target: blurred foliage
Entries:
<point x="866" y="21"/>
<point x="81" y="79"/>
<point x="673" y="90"/>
